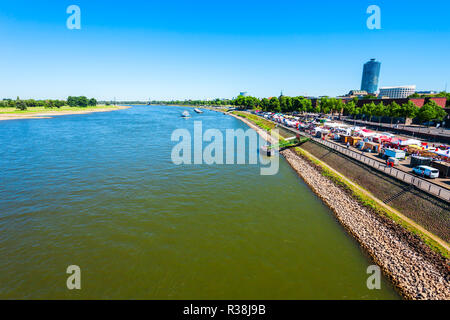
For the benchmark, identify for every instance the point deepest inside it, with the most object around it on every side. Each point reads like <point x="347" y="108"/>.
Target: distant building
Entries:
<point x="427" y="93"/>
<point x="355" y="93"/>
<point x="371" y="74"/>
<point x="397" y="92"/>
<point x="243" y="93"/>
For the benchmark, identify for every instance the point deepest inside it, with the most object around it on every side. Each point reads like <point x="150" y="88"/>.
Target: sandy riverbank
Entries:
<point x="51" y="114"/>
<point x="415" y="270"/>
<point x="266" y="136"/>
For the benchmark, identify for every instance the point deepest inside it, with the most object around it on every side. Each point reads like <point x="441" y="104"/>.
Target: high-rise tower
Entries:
<point x="371" y="74"/>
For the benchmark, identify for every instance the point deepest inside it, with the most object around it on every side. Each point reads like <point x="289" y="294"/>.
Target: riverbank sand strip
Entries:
<point x="410" y="269"/>
<point x="50" y="114"/>
<point x="263" y="133"/>
<point x="414" y="271"/>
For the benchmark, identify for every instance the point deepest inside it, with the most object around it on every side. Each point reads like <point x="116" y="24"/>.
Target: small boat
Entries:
<point x="185" y="114"/>
<point x="198" y="110"/>
<point x="266" y="151"/>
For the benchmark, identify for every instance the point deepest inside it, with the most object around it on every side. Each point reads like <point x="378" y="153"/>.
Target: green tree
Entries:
<point x="379" y="111"/>
<point x="349" y="108"/>
<point x="440" y="112"/>
<point x="10" y="103"/>
<point x="275" y="104"/>
<point x="31" y="103"/>
<point x="83" y="101"/>
<point x="20" y="104"/>
<point x="265" y="104"/>
<point x="338" y="106"/>
<point x="356" y="111"/>
<point x="368" y="109"/>
<point x="289" y="104"/>
<point x="307" y="105"/>
<point x="426" y="113"/>
<point x="431" y="111"/>
<point x="92" y="102"/>
<point x="409" y="110"/>
<point x="297" y="104"/>
<point x="393" y="111"/>
<point x="316" y="109"/>
<point x="60" y="103"/>
<point x="285" y="104"/>
<point x="324" y="105"/>
<point x="72" y="101"/>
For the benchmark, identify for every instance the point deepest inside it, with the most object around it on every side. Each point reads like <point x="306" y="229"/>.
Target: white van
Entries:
<point x="426" y="171"/>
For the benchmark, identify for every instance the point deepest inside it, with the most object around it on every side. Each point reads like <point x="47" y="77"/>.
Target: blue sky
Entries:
<point x="207" y="49"/>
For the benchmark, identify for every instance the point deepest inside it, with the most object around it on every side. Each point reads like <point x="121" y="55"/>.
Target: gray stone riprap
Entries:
<point x="414" y="269"/>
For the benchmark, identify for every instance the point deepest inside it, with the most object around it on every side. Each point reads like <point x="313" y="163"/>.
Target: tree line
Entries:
<point x="31" y="103"/>
<point x="215" y="102"/>
<point x="81" y="102"/>
<point x="48" y="103"/>
<point x="325" y="105"/>
<point x="428" y="112"/>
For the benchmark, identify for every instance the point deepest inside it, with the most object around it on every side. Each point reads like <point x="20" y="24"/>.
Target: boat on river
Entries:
<point x="185" y="114"/>
<point x="266" y="150"/>
<point x="198" y="110"/>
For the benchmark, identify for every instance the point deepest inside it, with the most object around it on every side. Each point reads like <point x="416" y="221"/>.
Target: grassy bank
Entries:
<point x="56" y="110"/>
<point x="260" y="122"/>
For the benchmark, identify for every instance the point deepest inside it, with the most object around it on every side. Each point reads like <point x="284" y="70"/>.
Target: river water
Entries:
<point x="100" y="191"/>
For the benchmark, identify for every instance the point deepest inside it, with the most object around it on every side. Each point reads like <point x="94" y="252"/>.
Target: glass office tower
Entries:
<point x="371" y="73"/>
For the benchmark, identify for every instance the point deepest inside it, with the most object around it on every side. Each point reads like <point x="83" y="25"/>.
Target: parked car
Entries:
<point x="426" y="171"/>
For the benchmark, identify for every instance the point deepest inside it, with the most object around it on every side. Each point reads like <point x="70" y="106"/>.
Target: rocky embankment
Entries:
<point x="415" y="270"/>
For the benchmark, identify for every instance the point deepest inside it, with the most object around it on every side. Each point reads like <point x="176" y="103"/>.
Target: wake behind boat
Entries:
<point x="198" y="110"/>
<point x="185" y="114"/>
